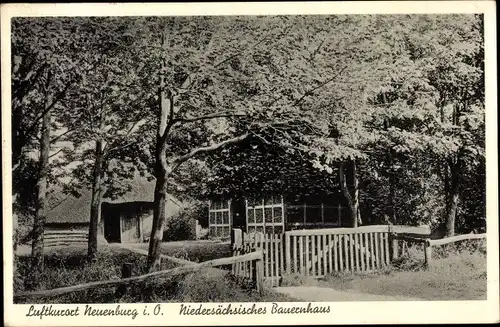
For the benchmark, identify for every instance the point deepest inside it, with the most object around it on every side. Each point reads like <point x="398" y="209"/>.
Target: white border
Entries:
<point x="341" y="312"/>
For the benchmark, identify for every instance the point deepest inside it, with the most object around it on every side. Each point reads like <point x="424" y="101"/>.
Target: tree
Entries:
<point x="429" y="62"/>
<point x="217" y="89"/>
<point x="104" y="118"/>
<point x="43" y="70"/>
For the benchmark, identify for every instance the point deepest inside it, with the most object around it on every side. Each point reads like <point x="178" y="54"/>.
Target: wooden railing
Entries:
<point x="254" y="256"/>
<point x="447" y="240"/>
<point x="52" y="238"/>
<point x="250" y="269"/>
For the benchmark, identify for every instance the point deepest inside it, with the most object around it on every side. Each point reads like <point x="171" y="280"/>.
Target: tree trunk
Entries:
<point x="159" y="216"/>
<point x="392" y="200"/>
<point x="39" y="222"/>
<point x="452" y="199"/>
<point x="392" y="191"/>
<point x="452" y="181"/>
<point x="165" y="117"/>
<point x="352" y="196"/>
<point x="95" y="202"/>
<point x="15" y="223"/>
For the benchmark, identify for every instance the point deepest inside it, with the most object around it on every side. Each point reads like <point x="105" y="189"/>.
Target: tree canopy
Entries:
<point x="387" y="108"/>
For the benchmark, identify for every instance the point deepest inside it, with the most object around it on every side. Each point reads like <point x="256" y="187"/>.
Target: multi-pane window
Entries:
<point x="265" y="215"/>
<point x="219" y="220"/>
<point x="314" y="214"/>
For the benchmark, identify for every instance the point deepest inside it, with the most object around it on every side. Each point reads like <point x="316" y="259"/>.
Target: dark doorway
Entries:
<point x="112" y="227"/>
<point x="238" y="209"/>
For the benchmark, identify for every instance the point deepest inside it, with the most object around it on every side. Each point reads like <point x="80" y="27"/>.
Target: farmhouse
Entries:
<point x="274" y="214"/>
<point x="126" y="219"/>
<point x="268" y="190"/>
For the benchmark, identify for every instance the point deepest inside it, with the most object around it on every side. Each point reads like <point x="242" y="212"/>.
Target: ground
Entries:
<point x="460" y="276"/>
<point x="328" y="294"/>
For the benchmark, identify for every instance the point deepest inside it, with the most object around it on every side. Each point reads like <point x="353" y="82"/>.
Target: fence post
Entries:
<point x="254" y="272"/>
<point x="259" y="273"/>
<point x="288" y="256"/>
<point x="121" y="290"/>
<point x="428" y="252"/>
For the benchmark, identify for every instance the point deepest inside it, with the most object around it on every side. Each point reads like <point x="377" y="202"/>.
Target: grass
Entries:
<point x="454" y="275"/>
<point x="195" y="251"/>
<point x="68" y="267"/>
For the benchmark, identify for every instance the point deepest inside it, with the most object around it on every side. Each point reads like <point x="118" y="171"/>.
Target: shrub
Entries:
<point x="180" y="227"/>
<point x="413" y="259"/>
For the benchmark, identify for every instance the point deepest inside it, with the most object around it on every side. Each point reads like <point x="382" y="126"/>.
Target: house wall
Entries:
<point x="60" y="235"/>
<point x="132" y="232"/>
<point x="58" y="228"/>
<point x="66" y="226"/>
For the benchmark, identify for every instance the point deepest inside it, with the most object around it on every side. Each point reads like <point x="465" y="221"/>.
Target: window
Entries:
<point x="314" y="213"/>
<point x="219" y="219"/>
<point x="295" y="214"/>
<point x="265" y="215"/>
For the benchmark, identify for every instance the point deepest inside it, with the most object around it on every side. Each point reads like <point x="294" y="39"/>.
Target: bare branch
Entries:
<point x="311" y="91"/>
<point x="49" y="107"/>
<point x="129" y="131"/>
<point x="210" y="116"/>
<point x="58" y="137"/>
<point x="261" y="138"/>
<point x="56" y="153"/>
<point x="211" y="148"/>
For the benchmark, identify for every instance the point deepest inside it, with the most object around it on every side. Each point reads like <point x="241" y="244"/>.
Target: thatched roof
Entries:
<point x="71" y="209"/>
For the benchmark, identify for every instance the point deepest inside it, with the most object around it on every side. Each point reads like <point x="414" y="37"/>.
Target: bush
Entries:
<point x="180" y="227"/>
<point x="460" y="251"/>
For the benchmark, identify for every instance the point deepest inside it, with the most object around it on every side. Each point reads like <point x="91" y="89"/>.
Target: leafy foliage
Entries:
<point x="251" y="105"/>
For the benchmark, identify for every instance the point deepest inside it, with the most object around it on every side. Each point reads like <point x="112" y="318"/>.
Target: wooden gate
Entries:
<point x="321" y="252"/>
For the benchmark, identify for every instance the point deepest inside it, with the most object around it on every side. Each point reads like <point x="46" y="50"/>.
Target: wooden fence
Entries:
<point x="253" y="256"/>
<point x="52" y="238"/>
<point x="320" y="252"/>
<point x="404" y="238"/>
<point x="273" y="264"/>
<point x="447" y="240"/>
<point x="251" y="269"/>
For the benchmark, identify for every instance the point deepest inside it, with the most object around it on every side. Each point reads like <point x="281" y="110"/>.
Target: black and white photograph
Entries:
<point x="231" y="163"/>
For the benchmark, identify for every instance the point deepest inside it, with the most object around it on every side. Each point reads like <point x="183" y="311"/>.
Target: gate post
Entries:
<point x="259" y="271"/>
<point x="394" y="243"/>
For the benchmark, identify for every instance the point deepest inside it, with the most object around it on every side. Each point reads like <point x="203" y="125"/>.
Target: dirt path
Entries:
<point x="318" y="294"/>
